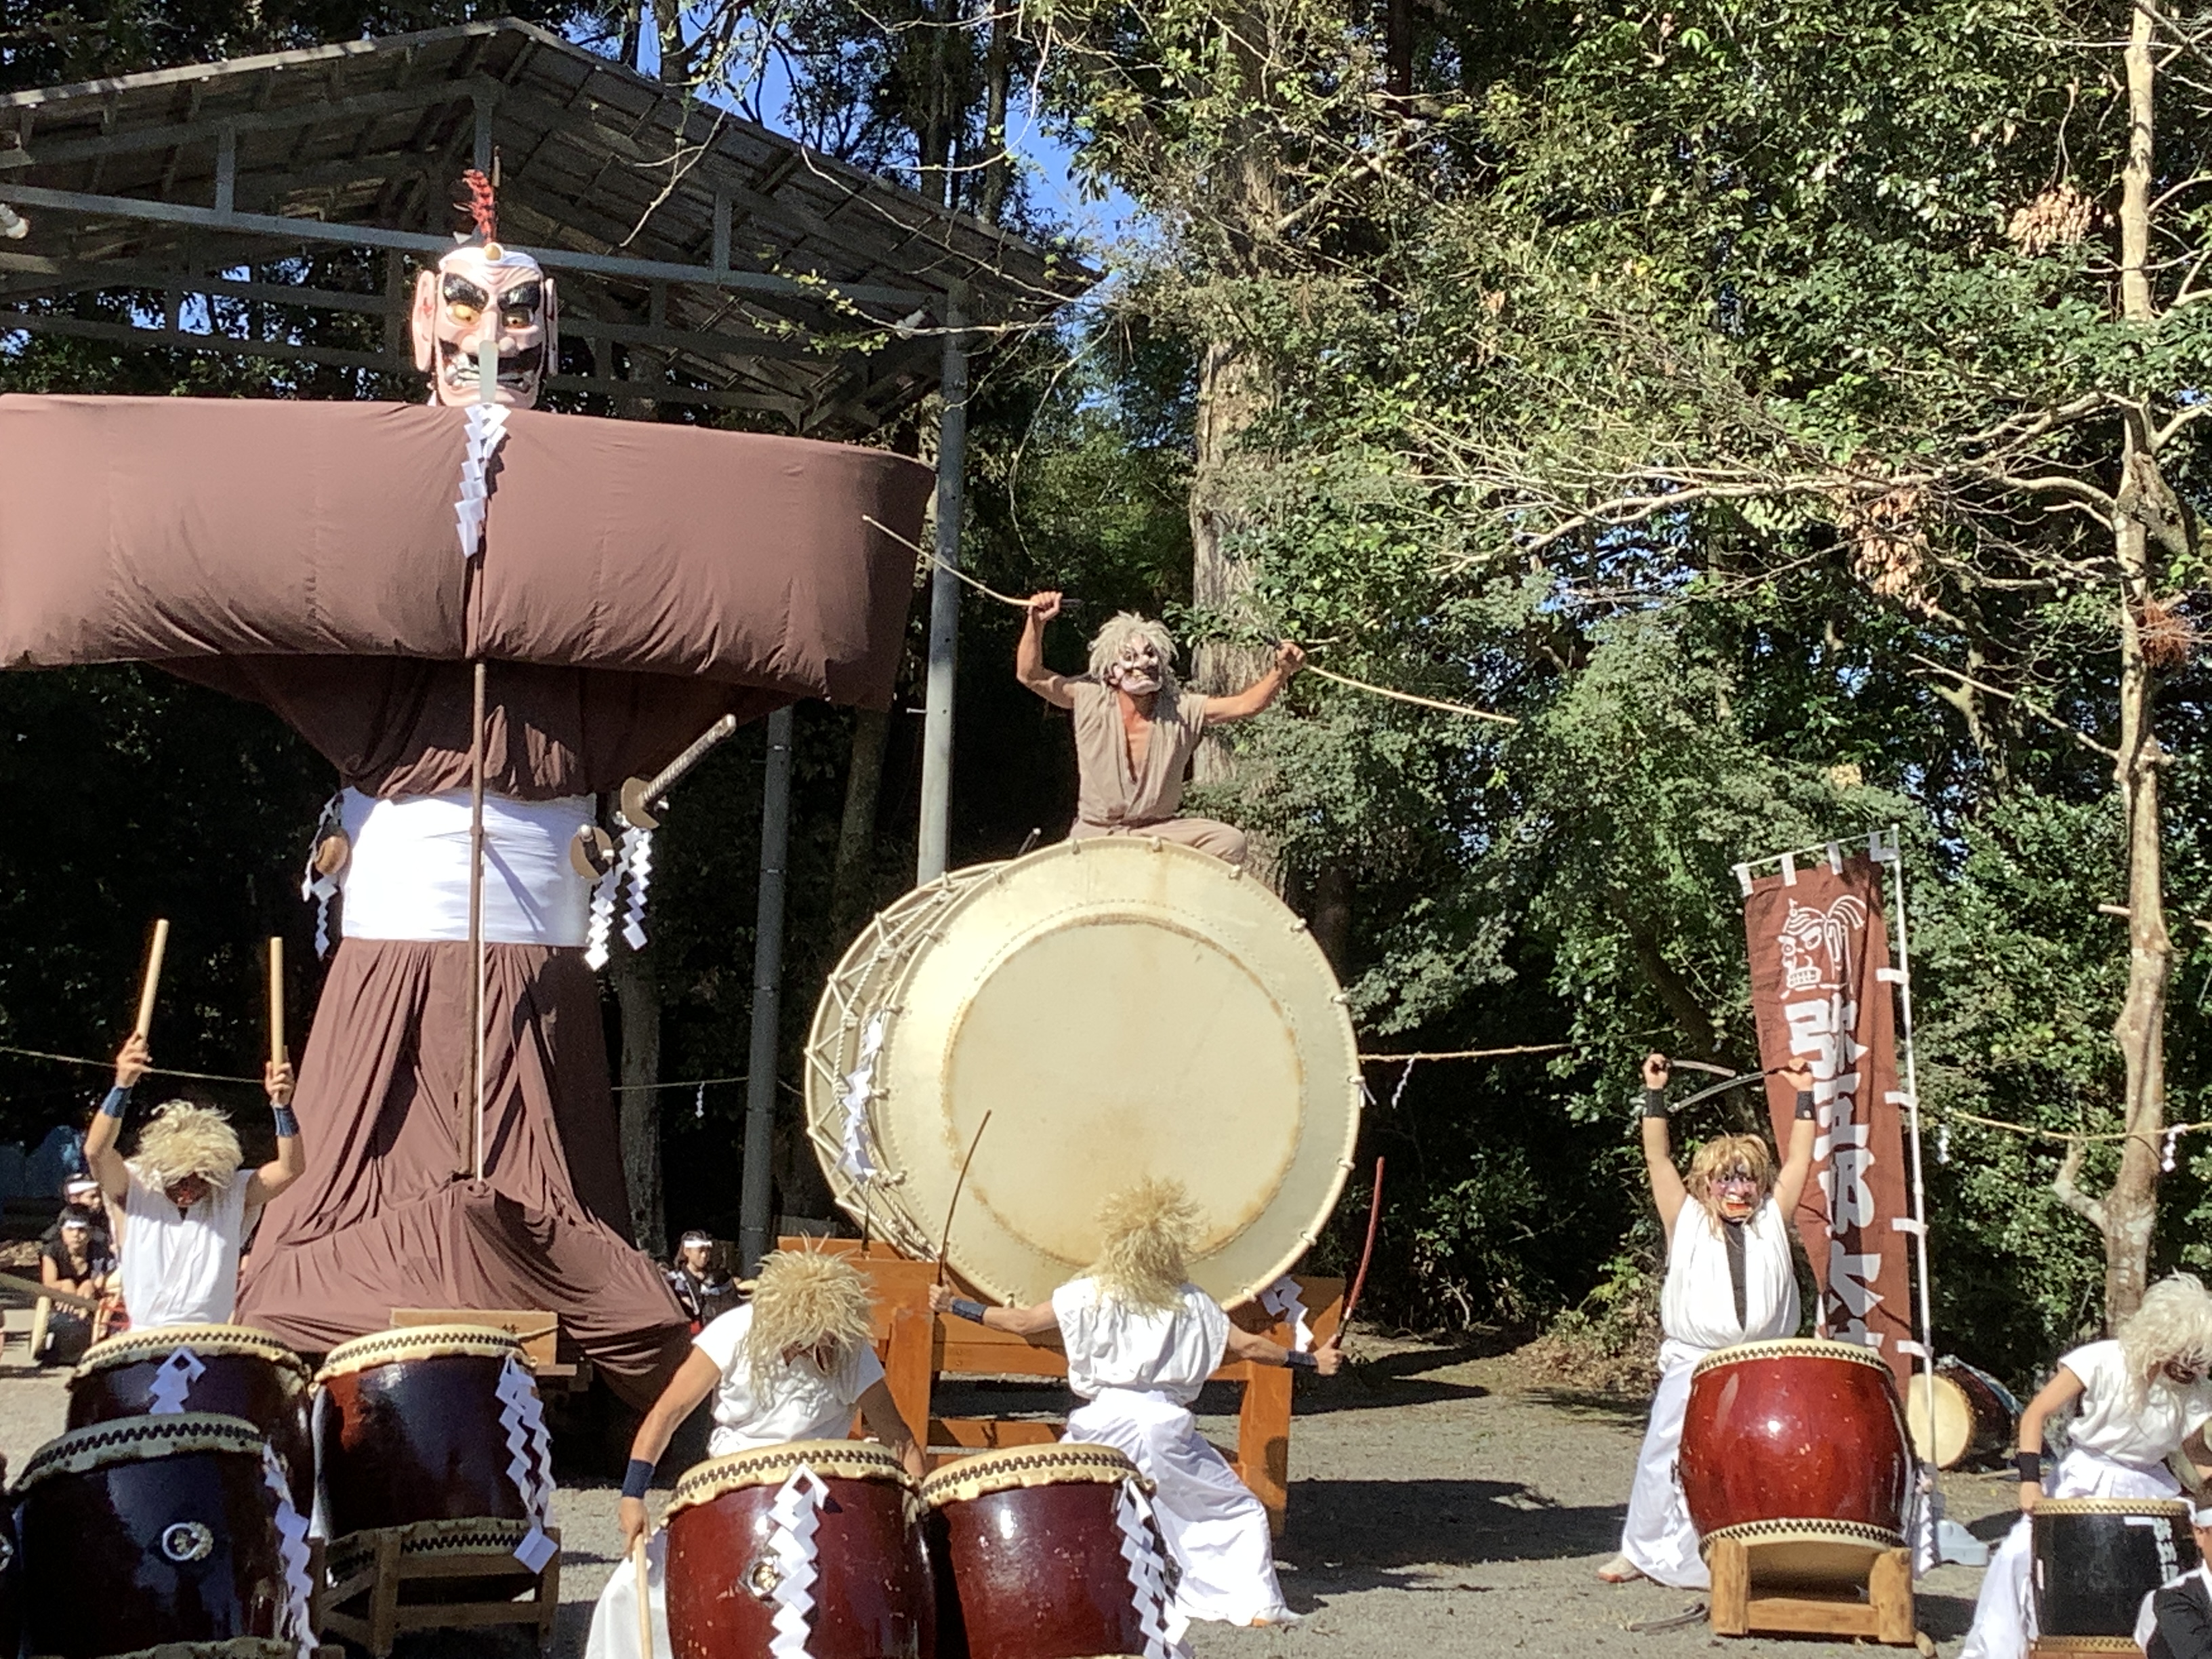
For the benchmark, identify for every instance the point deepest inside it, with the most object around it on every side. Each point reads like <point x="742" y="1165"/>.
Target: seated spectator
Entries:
<point x="704" y="1293"/>
<point x="74" y="1262"/>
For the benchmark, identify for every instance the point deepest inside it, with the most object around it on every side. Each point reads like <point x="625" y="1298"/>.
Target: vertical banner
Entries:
<point x="1820" y="990"/>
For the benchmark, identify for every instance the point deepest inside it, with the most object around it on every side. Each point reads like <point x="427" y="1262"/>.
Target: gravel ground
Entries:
<point x="1439" y="1502"/>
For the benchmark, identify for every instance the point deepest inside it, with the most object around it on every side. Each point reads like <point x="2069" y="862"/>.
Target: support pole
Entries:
<point x="472" y="1150"/>
<point x="753" y="1239"/>
<point x="944" y="602"/>
<point x="1895" y="859"/>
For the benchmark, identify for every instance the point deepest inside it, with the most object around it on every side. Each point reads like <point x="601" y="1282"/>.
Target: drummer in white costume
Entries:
<point x="1730" y="1279"/>
<point x="2142" y="1396"/>
<point x="1141" y="1340"/>
<point x="793" y="1363"/>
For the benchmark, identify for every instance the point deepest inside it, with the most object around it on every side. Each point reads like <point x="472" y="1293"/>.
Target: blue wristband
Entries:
<point x="637" y="1478"/>
<point x="1300" y="1362"/>
<point x="118" y="1101"/>
<point x="963" y="1307"/>
<point x="288" y="1125"/>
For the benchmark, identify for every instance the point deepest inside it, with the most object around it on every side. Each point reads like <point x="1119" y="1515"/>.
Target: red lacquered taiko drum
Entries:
<point x="1799" y="1446"/>
<point x="848" y="1541"/>
<point x="233" y="1371"/>
<point x="413" y="1426"/>
<point x="1032" y="1550"/>
<point x="159" y="1534"/>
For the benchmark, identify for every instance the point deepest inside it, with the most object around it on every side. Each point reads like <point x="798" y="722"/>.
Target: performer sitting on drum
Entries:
<point x="793" y="1364"/>
<point x="2175" y="1622"/>
<point x="183" y="1207"/>
<point x="2143" y="1396"/>
<point x="1136" y="728"/>
<point x="1141" y="1339"/>
<point x="1730" y="1279"/>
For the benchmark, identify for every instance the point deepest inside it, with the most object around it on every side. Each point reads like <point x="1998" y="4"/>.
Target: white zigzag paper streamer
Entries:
<point x="292" y="1547"/>
<point x="637" y="854"/>
<point x="530" y="1458"/>
<point x="320" y="890"/>
<point x="172" y="1382"/>
<point x="1156" y="1616"/>
<point x="598" y="930"/>
<point x="486" y="426"/>
<point x="796" y="1512"/>
<point x="859" y="1157"/>
<point x="1284" y="1300"/>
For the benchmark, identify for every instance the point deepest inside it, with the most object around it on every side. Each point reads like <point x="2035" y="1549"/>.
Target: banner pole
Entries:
<point x="1896" y="862"/>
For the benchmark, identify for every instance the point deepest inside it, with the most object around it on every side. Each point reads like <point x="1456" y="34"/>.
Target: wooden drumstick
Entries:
<point x="644" y="1599"/>
<point x="944" y="1243"/>
<point x="276" y="1054"/>
<point x="1366" y="1255"/>
<point x="152" y="985"/>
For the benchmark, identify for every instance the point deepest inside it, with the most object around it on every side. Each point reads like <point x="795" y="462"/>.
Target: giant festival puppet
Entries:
<point x="484" y="616"/>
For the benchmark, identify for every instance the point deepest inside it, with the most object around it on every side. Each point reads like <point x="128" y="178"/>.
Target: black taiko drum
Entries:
<point x="1033" y="1547"/>
<point x="2095" y="1558"/>
<point x="152" y="1531"/>
<point x="231" y="1370"/>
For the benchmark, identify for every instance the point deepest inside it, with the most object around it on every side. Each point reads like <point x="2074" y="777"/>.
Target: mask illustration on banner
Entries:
<point x="484" y="291"/>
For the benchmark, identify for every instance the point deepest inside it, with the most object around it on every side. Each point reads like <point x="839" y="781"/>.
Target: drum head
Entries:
<point x="1953" y="1416"/>
<point x="1122" y="1008"/>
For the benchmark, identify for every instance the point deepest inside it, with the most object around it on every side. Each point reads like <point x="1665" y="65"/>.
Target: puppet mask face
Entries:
<point x="2183" y="1372"/>
<point x="1735" y="1194"/>
<point x="1136" y="667"/>
<point x="476" y="291"/>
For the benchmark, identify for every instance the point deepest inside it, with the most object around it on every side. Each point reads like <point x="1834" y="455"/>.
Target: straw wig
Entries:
<point x="808" y="1300"/>
<point x="1106" y="644"/>
<point x="1726" y="1155"/>
<point x="2174" y="1322"/>
<point x="1150" y="1230"/>
<point x="183" y="1139"/>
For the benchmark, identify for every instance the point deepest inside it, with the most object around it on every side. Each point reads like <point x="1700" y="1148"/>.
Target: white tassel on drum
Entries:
<point x="172" y="1386"/>
<point x="637" y="854"/>
<point x="292" y="1547"/>
<point x="860" y="1147"/>
<point x="315" y="887"/>
<point x="529" y="1459"/>
<point x="1286" y="1302"/>
<point x="796" y="1512"/>
<point x="1163" y="1625"/>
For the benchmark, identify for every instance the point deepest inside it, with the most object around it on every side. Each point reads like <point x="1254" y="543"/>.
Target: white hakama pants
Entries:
<point x="2004" y="1614"/>
<point x="1215" y="1530"/>
<point x="614" y="1620"/>
<point x="1659" y="1541"/>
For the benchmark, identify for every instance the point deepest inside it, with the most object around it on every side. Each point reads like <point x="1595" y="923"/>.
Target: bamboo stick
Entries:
<point x="276" y="1051"/>
<point x="152" y="986"/>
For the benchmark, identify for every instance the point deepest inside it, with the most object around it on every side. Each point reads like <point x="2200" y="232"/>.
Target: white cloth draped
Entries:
<point x="1215" y="1530"/>
<point x="1659" y="1540"/>
<point x="1698" y="1305"/>
<point x="181" y="1269"/>
<point x="1111" y="1344"/>
<point x="614" y="1619"/>
<point x="408" y="876"/>
<point x="2004" y="1614"/>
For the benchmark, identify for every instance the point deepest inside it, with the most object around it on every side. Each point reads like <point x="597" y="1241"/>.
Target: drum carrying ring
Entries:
<point x="187" y="1541"/>
<point x="762" y="1578"/>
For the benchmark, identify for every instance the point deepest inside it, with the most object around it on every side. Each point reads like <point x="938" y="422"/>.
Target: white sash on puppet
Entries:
<point x="1658" y="1538"/>
<point x="1214" y="1528"/>
<point x="2004" y="1614"/>
<point x="408" y="876"/>
<point x="614" y="1619"/>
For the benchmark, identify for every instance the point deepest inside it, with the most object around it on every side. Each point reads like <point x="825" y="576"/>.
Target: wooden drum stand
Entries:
<point x="1877" y="1608"/>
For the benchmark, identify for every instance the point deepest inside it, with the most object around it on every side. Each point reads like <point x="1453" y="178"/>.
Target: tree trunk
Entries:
<point x="852" y="884"/>
<point x="998" y="73"/>
<point x="1230" y="400"/>
<point x="1332" y="915"/>
<point x="637" y="998"/>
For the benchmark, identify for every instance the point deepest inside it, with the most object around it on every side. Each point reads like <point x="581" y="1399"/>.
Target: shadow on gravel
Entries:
<point x="1620" y="1410"/>
<point x="1343" y="1529"/>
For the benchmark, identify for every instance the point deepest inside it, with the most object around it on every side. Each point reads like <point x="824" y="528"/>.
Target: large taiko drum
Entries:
<point x="826" y="1533"/>
<point x="1958" y="1415"/>
<point x="415" y="1425"/>
<point x="233" y="1371"/>
<point x="2095" y="1558"/>
<point x="153" y="1531"/>
<point x="1798" y="1446"/>
<point x="1121" y="1008"/>
<point x="1045" y="1553"/>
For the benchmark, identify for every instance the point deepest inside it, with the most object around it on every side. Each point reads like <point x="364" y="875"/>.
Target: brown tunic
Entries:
<point x="1110" y="794"/>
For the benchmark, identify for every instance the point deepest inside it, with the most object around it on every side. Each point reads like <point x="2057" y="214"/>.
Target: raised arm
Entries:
<point x="1223" y="711"/>
<point x="1033" y="1321"/>
<point x="1028" y="654"/>
<point x="290" y="1162"/>
<point x="1668" y="1191"/>
<point x="1790" y="1185"/>
<point x="99" y="1150"/>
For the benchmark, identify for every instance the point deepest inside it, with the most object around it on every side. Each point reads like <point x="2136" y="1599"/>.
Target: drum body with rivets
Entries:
<point x="155" y="1530"/>
<point x="1033" y="1548"/>
<point x="412" y="1427"/>
<point x="233" y="1371"/>
<point x="1958" y="1415"/>
<point x="1121" y="1008"/>
<point x="2095" y="1558"/>
<point x="1798" y="1446"/>
<point x="821" y="1538"/>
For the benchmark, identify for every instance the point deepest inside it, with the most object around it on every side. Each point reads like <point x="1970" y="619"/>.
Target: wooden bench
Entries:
<point x="917" y="1349"/>
<point x="539" y="1332"/>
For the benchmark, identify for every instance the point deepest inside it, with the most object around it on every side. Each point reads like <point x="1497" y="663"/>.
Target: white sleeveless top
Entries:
<point x="1697" y="1305"/>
